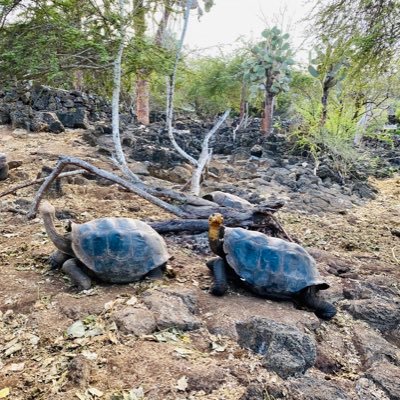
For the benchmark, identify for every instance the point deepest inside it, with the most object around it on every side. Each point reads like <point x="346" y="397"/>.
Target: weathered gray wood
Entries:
<point x="194" y="210"/>
<point x="40" y="180"/>
<point x="66" y="160"/>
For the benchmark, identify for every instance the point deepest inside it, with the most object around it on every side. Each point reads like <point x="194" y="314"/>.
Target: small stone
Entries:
<point x="170" y="311"/>
<point x="138" y="321"/>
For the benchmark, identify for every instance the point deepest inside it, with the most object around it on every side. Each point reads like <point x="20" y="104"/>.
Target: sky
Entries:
<point x="230" y="19"/>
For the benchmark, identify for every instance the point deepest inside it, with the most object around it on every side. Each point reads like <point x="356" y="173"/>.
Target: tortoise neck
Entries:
<point x="215" y="238"/>
<point x="61" y="242"/>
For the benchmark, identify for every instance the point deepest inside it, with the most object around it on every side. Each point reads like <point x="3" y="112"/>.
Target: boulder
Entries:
<point x="74" y="119"/>
<point x="3" y="167"/>
<point x="311" y="388"/>
<point x="380" y="314"/>
<point x="286" y="350"/>
<point x="45" y="121"/>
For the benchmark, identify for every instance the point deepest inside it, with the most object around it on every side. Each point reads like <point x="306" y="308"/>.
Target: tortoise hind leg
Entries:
<point x="218" y="267"/>
<point x="78" y="277"/>
<point x="321" y="308"/>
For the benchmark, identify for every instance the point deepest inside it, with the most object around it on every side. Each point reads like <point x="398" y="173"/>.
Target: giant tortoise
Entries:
<point x="116" y="250"/>
<point x="267" y="266"/>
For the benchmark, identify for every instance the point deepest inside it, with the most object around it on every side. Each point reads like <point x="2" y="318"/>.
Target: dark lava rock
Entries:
<point x="364" y="190"/>
<point x="3" y="167"/>
<point x="380" y="314"/>
<point x="286" y="350"/>
<point x="255" y="392"/>
<point x="311" y="388"/>
<point x="46" y="121"/>
<point x="79" y="371"/>
<point x="372" y="347"/>
<point x="74" y="119"/>
<point x="387" y="377"/>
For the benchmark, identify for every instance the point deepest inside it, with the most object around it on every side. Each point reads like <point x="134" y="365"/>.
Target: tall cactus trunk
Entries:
<point x="142" y="99"/>
<point x="266" y="123"/>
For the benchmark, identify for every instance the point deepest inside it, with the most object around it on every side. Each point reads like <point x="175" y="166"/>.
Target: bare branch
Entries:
<point x="40" y="180"/>
<point x="205" y="155"/>
<point x="66" y="160"/>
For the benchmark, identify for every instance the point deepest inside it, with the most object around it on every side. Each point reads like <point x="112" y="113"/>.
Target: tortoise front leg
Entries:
<point x="210" y="263"/>
<point x="57" y="259"/>
<point x="321" y="308"/>
<point x="78" y="277"/>
<point x="157" y="273"/>
<point x="218" y="267"/>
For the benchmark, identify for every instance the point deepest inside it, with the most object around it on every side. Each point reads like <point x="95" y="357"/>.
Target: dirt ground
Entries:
<point x="39" y="361"/>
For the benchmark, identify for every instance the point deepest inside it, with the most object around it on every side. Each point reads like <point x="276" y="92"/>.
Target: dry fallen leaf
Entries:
<point x="76" y="330"/>
<point x="95" y="392"/>
<point x="182" y="384"/>
<point x="4" y="392"/>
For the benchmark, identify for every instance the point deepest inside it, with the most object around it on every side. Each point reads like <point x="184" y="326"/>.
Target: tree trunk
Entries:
<point x="362" y="124"/>
<point x="142" y="98"/>
<point x="243" y="102"/>
<point x="266" y="123"/>
<point x="324" y="102"/>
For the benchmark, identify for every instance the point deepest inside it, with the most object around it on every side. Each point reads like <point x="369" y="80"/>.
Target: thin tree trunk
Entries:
<point x="324" y="102"/>
<point x="205" y="156"/>
<point x="362" y="124"/>
<point x="119" y="160"/>
<point x="266" y="123"/>
<point x="142" y="98"/>
<point x="243" y="101"/>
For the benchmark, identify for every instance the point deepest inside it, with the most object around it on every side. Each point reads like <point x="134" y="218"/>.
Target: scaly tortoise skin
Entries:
<point x="115" y="250"/>
<point x="266" y="265"/>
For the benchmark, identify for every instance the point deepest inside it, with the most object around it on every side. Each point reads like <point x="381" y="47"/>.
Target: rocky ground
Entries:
<point x="172" y="339"/>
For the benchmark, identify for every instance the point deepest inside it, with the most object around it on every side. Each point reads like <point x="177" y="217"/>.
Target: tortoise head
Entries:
<point x="215" y="232"/>
<point x="47" y="209"/>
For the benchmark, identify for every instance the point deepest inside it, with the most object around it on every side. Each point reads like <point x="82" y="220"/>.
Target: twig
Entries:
<point x="394" y="256"/>
<point x="279" y="225"/>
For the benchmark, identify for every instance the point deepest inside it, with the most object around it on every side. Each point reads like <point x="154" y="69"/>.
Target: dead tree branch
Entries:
<point x="205" y="155"/>
<point x="66" y="160"/>
<point x="193" y="210"/>
<point x="40" y="180"/>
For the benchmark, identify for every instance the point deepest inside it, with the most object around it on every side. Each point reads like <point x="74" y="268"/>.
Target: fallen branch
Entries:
<point x="194" y="210"/>
<point x="40" y="180"/>
<point x="66" y="160"/>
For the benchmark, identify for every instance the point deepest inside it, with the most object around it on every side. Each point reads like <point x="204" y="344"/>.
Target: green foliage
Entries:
<point x="370" y="28"/>
<point x="331" y="62"/>
<point x="50" y="40"/>
<point x="210" y="85"/>
<point x="334" y="140"/>
<point x="269" y="63"/>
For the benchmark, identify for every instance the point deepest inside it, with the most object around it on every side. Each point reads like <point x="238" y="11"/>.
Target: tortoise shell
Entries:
<point x="270" y="266"/>
<point x="118" y="250"/>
